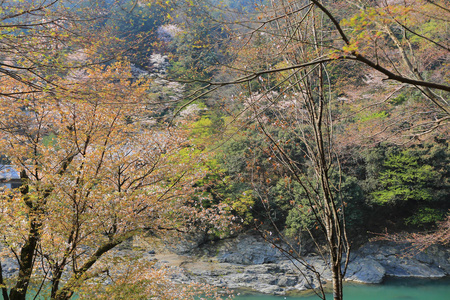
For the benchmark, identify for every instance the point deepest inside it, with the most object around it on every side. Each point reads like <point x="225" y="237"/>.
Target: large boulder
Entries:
<point x="437" y="256"/>
<point x="401" y="267"/>
<point x="247" y="250"/>
<point x="365" y="270"/>
<point x="401" y="260"/>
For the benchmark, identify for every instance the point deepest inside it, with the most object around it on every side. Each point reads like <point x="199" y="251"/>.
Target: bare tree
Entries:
<point x="303" y="107"/>
<point x="293" y="90"/>
<point x="281" y="54"/>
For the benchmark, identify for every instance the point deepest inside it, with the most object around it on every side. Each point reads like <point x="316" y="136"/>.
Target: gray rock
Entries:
<point x="249" y="262"/>
<point x="437" y="256"/>
<point x="267" y="279"/>
<point x="286" y="281"/>
<point x="188" y="244"/>
<point x="321" y="267"/>
<point x="399" y="260"/>
<point x="400" y="267"/>
<point x="365" y="270"/>
<point x="247" y="250"/>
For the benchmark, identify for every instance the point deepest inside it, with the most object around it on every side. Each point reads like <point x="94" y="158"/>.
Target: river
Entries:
<point x="391" y="289"/>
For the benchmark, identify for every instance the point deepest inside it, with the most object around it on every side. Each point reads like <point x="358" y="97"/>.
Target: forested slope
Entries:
<point x="303" y="118"/>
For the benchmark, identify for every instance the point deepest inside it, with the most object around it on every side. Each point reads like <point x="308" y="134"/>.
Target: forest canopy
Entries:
<point x="123" y="118"/>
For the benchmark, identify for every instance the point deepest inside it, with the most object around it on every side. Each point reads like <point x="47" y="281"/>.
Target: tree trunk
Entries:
<point x="336" y="280"/>
<point x="19" y="291"/>
<point x="27" y="253"/>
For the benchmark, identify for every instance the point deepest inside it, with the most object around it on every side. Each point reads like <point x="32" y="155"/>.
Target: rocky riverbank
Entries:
<point x="248" y="262"/>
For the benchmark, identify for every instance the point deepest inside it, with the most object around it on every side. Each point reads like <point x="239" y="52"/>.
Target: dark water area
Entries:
<point x="390" y="289"/>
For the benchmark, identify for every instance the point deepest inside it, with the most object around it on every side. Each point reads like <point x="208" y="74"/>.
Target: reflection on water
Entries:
<point x="391" y="289"/>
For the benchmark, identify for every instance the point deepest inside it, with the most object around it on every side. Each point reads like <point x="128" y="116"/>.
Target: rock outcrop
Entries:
<point x="249" y="262"/>
<point x="398" y="260"/>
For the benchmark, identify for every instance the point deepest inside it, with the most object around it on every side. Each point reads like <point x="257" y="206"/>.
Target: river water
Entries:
<point x="391" y="289"/>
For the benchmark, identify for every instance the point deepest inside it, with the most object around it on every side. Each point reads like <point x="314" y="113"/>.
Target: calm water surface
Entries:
<point x="391" y="289"/>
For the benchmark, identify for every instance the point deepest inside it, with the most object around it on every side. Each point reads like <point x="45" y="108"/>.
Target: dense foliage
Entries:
<point x="213" y="116"/>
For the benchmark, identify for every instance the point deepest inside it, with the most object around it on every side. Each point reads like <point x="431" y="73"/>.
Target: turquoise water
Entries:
<point x="391" y="289"/>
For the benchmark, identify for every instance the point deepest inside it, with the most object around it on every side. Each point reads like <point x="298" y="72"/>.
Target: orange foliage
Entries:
<point x="93" y="175"/>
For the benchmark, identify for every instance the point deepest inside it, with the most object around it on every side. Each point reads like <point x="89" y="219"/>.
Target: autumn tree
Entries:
<point x="38" y="37"/>
<point x="408" y="29"/>
<point x="92" y="177"/>
<point x="97" y="166"/>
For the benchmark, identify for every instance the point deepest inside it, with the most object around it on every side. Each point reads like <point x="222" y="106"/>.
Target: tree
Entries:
<point x="351" y="40"/>
<point x="404" y="179"/>
<point x="40" y="39"/>
<point x="398" y="25"/>
<point x="408" y="185"/>
<point x="297" y="100"/>
<point x="310" y="118"/>
<point x="92" y="177"/>
<point x="139" y="24"/>
<point x="283" y="53"/>
<point x="96" y="168"/>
